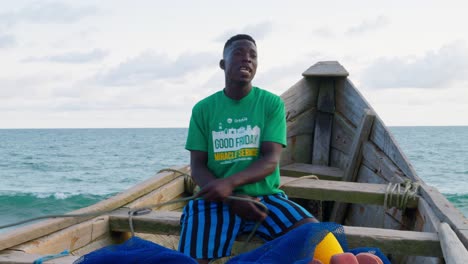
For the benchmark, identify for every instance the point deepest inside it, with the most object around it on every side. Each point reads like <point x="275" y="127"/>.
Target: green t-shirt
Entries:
<point x="231" y="131"/>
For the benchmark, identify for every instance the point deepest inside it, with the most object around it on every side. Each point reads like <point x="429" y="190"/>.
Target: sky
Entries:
<point x="132" y="64"/>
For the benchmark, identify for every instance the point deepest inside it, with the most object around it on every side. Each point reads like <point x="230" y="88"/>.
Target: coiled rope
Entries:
<point x="410" y="190"/>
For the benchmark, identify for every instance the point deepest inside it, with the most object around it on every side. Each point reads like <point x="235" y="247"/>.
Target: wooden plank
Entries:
<point x="446" y="211"/>
<point x="351" y="192"/>
<point x="338" y="158"/>
<point x="322" y="139"/>
<point x="326" y="96"/>
<point x="21" y="235"/>
<point x="164" y="193"/>
<point x="454" y="251"/>
<point x="343" y="133"/>
<point x="297" y="150"/>
<point x="156" y="222"/>
<point x="302" y="124"/>
<point x="300" y="97"/>
<point x="303" y="169"/>
<point x="380" y="164"/>
<point x="426" y="220"/>
<point x="362" y="134"/>
<point x="70" y="238"/>
<point x="383" y="138"/>
<point x="324" y="122"/>
<point x="350" y="103"/>
<point x="326" y="69"/>
<point x="350" y="174"/>
<point x="391" y="241"/>
<point x="404" y="242"/>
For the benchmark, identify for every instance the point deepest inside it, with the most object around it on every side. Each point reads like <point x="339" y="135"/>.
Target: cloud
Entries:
<point x="6" y="41"/>
<point x="257" y="31"/>
<point x="71" y="57"/>
<point x="46" y="12"/>
<point x="433" y="70"/>
<point x="323" y="32"/>
<point x="149" y="67"/>
<point x="368" y="25"/>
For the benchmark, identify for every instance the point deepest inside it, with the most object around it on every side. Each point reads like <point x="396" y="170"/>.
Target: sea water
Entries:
<point x="53" y="171"/>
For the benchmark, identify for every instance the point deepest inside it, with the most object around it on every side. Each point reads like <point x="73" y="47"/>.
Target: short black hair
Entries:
<point x="238" y="37"/>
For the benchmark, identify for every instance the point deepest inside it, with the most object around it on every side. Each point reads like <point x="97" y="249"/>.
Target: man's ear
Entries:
<point x="221" y="64"/>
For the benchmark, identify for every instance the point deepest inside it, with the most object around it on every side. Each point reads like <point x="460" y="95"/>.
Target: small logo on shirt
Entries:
<point x="229" y="120"/>
<point x="239" y="120"/>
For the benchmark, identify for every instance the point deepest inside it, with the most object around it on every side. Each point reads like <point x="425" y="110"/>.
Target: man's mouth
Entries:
<point x="245" y="69"/>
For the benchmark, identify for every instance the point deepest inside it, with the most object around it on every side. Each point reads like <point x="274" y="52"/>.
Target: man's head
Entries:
<point x="235" y="38"/>
<point x="239" y="59"/>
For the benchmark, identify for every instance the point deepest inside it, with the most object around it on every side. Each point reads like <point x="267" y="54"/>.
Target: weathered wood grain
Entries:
<point x="300" y="97"/>
<point x="446" y="211"/>
<point x="70" y="238"/>
<point x="303" y="169"/>
<point x="298" y="150"/>
<point x="454" y="251"/>
<point x="322" y="139"/>
<point x="342" y="134"/>
<point x="326" y="96"/>
<point x="350" y="103"/>
<point x="164" y="193"/>
<point x="302" y="124"/>
<point x="338" y="158"/>
<point x="380" y="164"/>
<point x="351" y="192"/>
<point x="355" y="154"/>
<point x="326" y="69"/>
<point x="384" y="140"/>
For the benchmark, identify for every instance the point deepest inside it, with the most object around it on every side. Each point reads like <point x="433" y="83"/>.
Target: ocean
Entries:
<point x="53" y="171"/>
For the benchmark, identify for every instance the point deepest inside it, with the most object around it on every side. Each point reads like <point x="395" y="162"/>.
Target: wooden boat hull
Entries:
<point x="333" y="133"/>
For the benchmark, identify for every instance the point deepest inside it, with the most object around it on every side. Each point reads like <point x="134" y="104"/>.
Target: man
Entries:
<point x="235" y="141"/>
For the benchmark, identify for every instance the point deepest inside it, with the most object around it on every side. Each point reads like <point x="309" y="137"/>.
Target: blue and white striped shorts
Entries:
<point x="210" y="228"/>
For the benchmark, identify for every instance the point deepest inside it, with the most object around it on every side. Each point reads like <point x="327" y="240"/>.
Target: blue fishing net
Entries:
<point x="135" y="251"/>
<point x="297" y="246"/>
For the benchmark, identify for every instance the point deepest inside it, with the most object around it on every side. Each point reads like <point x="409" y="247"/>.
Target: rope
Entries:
<point x="314" y="177"/>
<point x="49" y="257"/>
<point x="189" y="184"/>
<point x="410" y="190"/>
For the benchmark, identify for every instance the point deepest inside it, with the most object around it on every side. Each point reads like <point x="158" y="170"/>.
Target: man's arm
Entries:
<point x="218" y="189"/>
<point x="200" y="172"/>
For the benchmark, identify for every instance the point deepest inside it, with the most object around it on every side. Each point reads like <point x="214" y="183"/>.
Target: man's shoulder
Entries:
<point x="208" y="100"/>
<point x="268" y="95"/>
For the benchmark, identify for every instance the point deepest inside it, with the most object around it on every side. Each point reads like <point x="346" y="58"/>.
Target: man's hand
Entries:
<point x="216" y="190"/>
<point x="247" y="210"/>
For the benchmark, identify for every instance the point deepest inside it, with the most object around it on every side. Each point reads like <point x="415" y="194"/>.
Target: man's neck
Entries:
<point x="238" y="91"/>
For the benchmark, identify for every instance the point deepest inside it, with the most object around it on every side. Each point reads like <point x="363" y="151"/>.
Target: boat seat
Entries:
<point x="303" y="169"/>
<point x="388" y="240"/>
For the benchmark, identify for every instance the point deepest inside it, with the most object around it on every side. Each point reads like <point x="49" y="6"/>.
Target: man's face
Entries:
<point x="240" y="61"/>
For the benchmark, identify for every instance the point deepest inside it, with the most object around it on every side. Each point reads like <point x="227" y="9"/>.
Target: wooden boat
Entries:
<point x="333" y="133"/>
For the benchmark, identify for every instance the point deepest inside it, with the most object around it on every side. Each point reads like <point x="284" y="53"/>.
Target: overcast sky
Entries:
<point x="109" y="63"/>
